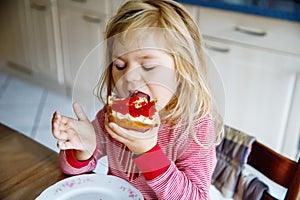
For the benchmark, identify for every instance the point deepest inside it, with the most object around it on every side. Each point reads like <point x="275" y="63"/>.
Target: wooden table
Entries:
<point x="26" y="167"/>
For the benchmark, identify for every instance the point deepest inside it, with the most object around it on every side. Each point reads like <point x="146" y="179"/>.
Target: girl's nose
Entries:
<point x="133" y="74"/>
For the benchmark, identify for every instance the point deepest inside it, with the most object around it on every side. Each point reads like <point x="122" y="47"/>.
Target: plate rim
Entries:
<point x="88" y="182"/>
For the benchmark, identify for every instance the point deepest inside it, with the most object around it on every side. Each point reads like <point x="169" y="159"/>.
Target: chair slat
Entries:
<point x="273" y="165"/>
<point x="277" y="168"/>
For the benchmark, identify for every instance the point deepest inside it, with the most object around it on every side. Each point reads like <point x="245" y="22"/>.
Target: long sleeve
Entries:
<point x="189" y="176"/>
<point x="71" y="166"/>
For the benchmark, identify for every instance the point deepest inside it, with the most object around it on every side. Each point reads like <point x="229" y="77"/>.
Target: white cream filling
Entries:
<point x="141" y="118"/>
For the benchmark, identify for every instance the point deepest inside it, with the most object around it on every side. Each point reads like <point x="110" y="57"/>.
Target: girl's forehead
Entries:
<point x="139" y="48"/>
<point x="139" y="54"/>
<point x="140" y="41"/>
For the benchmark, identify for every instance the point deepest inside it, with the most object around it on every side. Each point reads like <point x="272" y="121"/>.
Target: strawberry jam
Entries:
<point x="138" y="104"/>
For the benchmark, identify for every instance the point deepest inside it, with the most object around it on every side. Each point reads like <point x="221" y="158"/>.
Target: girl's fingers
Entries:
<point x="66" y="120"/>
<point x="62" y="131"/>
<point x="118" y="133"/>
<point x="64" y="145"/>
<point x="117" y="137"/>
<point x="56" y="130"/>
<point x="56" y="115"/>
<point x="79" y="112"/>
<point x="60" y="135"/>
<point x="60" y="119"/>
<point x="63" y="136"/>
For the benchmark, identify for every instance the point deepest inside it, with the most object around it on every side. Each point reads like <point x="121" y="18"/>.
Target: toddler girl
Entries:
<point x="154" y="47"/>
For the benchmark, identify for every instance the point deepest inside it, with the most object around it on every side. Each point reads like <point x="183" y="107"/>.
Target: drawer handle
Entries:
<point x="216" y="48"/>
<point x="39" y="7"/>
<point x="92" y="18"/>
<point x="250" y="31"/>
<point x="80" y="1"/>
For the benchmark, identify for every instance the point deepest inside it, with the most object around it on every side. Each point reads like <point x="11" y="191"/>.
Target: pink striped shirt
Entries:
<point x="173" y="169"/>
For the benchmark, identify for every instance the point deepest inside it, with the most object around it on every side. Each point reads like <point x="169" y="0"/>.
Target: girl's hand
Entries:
<point x="136" y="145"/>
<point x="75" y="134"/>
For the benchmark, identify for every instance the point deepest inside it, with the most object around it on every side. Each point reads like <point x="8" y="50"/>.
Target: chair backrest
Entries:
<point x="277" y="168"/>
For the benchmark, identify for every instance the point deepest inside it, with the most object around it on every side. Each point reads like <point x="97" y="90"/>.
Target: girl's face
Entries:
<point x="149" y="70"/>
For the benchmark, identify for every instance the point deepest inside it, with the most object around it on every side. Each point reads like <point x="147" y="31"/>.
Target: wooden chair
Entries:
<point x="277" y="168"/>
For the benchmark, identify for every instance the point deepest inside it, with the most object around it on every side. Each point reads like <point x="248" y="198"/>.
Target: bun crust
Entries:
<point x="128" y="121"/>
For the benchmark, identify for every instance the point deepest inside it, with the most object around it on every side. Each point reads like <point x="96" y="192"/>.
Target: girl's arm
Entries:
<point x="189" y="177"/>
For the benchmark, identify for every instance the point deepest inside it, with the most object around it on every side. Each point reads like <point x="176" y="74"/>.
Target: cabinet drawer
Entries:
<point x="259" y="87"/>
<point x="99" y="6"/>
<point x="254" y="30"/>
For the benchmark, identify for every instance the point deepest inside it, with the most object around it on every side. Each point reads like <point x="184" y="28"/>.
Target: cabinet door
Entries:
<point x="259" y="87"/>
<point x="81" y="32"/>
<point x="82" y="41"/>
<point x="13" y="34"/>
<point x="42" y="41"/>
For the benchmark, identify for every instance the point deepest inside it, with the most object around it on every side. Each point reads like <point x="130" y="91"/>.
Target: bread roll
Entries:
<point x="136" y="112"/>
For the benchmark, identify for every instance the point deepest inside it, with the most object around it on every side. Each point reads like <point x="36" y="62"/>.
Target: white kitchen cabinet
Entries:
<point x="44" y="41"/>
<point x="261" y="80"/>
<point x="82" y="31"/>
<point x="268" y="33"/>
<point x="13" y="34"/>
<point x="259" y="88"/>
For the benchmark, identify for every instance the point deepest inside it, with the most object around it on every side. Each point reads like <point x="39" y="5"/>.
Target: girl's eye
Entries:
<point x="119" y="64"/>
<point x="120" y="67"/>
<point x="148" y="67"/>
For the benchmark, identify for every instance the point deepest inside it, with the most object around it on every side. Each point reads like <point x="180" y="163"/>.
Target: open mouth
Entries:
<point x="140" y="94"/>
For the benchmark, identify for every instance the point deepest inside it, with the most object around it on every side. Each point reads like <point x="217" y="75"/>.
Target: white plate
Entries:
<point x="91" y="187"/>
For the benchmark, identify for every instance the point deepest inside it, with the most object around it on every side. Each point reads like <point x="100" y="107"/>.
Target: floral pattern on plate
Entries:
<point x="91" y="187"/>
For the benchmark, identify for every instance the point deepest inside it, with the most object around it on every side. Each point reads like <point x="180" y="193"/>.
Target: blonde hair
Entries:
<point x="182" y="35"/>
